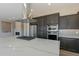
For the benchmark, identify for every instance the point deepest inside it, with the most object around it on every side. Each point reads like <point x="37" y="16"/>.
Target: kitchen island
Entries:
<point x="12" y="46"/>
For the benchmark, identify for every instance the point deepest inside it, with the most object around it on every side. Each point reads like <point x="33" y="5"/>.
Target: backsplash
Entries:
<point x="70" y="33"/>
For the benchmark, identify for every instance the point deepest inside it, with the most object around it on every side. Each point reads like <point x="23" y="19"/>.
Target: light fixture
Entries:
<point x="24" y="16"/>
<point x="13" y="17"/>
<point x="49" y="4"/>
<point x="76" y="32"/>
<point x="25" y="5"/>
<point x="31" y="10"/>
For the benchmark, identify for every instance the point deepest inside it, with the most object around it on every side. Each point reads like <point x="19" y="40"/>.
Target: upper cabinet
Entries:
<point x="74" y="22"/>
<point x="63" y="23"/>
<point x="42" y="23"/>
<point x="53" y="19"/>
<point x="69" y="22"/>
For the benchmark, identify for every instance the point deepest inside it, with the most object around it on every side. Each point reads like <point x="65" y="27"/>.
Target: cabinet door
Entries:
<point x="40" y="27"/>
<point x="77" y="45"/>
<point x="52" y="19"/>
<point x="69" y="22"/>
<point x="74" y="22"/>
<point x="40" y="21"/>
<point x="63" y="23"/>
<point x="40" y="31"/>
<point x="63" y="43"/>
<point x="45" y="27"/>
<point x="68" y="44"/>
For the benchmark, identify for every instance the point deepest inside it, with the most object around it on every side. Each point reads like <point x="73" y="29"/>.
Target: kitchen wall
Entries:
<point x="6" y="34"/>
<point x="69" y="26"/>
<point x="41" y="9"/>
<point x="18" y="27"/>
<point x="23" y="28"/>
<point x="6" y="26"/>
<point x="11" y="11"/>
<point x="69" y="33"/>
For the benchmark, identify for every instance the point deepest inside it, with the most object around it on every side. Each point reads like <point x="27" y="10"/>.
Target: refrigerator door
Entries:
<point x="33" y="30"/>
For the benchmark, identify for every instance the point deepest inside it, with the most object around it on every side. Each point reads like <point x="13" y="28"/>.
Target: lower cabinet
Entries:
<point x="71" y="44"/>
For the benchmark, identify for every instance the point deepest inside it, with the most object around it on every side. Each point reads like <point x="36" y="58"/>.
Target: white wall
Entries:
<point x="24" y="31"/>
<point x="6" y="34"/>
<point x="11" y="10"/>
<point x="18" y="27"/>
<point x="13" y="28"/>
<point x="40" y="9"/>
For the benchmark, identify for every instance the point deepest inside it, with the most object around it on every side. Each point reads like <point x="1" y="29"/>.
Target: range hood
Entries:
<point x="27" y="14"/>
<point x="26" y="20"/>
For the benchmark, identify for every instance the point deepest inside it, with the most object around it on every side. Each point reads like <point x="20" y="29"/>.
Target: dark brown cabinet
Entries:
<point x="74" y="22"/>
<point x="69" y="22"/>
<point x="71" y="44"/>
<point x="41" y="27"/>
<point x="63" y="23"/>
<point x="42" y="23"/>
<point x="52" y="19"/>
<point x="45" y="27"/>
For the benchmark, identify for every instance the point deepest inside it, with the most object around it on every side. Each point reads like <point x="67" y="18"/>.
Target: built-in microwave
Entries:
<point x="52" y="32"/>
<point x="52" y="27"/>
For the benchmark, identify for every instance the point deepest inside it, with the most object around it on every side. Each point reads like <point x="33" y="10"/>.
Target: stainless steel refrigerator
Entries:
<point x="33" y="30"/>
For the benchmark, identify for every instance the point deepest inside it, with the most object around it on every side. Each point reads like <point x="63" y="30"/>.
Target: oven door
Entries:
<point x="52" y="37"/>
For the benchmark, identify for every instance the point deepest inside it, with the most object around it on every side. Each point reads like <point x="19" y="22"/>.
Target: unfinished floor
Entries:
<point x="68" y="53"/>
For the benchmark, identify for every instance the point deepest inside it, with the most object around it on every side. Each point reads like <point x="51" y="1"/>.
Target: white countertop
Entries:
<point x="35" y="47"/>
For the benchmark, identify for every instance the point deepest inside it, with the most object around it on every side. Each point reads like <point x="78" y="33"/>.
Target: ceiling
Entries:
<point x="10" y="11"/>
<point x="40" y="9"/>
<point x="13" y="11"/>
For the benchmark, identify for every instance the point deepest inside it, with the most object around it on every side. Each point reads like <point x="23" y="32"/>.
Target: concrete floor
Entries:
<point x="10" y="46"/>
